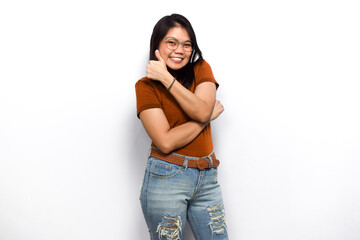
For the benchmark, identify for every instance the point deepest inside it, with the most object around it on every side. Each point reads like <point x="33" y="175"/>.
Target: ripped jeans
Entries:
<point x="173" y="194"/>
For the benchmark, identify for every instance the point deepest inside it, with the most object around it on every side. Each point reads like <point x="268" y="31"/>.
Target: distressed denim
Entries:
<point x="173" y="194"/>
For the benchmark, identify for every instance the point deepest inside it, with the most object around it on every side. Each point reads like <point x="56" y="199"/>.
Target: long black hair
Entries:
<point x="184" y="75"/>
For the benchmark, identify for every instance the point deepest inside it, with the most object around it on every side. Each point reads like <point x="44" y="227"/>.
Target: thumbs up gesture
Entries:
<point x="156" y="70"/>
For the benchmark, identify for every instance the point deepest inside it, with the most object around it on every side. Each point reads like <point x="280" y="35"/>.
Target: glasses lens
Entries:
<point x="173" y="44"/>
<point x="187" y="46"/>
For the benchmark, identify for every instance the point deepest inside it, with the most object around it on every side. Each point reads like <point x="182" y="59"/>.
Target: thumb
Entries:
<point x="158" y="56"/>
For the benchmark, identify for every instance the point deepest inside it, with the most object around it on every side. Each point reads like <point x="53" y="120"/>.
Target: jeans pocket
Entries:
<point x="162" y="169"/>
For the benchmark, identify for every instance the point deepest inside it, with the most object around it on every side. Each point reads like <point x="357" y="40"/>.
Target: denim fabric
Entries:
<point x="173" y="194"/>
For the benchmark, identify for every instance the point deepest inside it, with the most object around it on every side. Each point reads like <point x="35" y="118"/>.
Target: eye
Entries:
<point x="187" y="44"/>
<point x="172" y="43"/>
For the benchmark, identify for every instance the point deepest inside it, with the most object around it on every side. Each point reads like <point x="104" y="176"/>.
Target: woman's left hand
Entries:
<point x="156" y="70"/>
<point x="218" y="109"/>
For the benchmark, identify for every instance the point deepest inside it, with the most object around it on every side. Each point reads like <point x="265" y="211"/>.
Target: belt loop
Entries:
<point x="185" y="164"/>
<point x="212" y="163"/>
<point x="209" y="156"/>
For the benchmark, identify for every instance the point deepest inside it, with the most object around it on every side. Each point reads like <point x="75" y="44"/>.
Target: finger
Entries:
<point x="158" y="56"/>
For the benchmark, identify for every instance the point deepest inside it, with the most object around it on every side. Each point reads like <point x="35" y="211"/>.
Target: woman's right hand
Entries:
<point x="218" y="109"/>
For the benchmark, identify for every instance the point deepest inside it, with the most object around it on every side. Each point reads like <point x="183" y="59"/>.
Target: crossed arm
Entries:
<point x="169" y="139"/>
<point x="201" y="106"/>
<point x="198" y="105"/>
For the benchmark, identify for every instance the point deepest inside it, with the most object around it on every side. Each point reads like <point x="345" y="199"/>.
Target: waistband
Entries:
<point x="202" y="163"/>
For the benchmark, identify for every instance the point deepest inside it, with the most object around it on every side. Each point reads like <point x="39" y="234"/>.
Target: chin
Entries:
<point x="176" y="66"/>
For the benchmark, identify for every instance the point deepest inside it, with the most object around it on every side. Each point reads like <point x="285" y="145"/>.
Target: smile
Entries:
<point x="176" y="60"/>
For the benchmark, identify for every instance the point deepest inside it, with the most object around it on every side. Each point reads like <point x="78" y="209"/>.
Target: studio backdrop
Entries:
<point x="73" y="152"/>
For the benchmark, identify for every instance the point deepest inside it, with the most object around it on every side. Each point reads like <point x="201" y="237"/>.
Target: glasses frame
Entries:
<point x="178" y="43"/>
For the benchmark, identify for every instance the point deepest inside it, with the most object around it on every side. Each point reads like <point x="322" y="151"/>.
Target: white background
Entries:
<point x="73" y="153"/>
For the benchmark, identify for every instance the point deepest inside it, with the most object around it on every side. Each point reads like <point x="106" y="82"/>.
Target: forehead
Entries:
<point x="179" y="33"/>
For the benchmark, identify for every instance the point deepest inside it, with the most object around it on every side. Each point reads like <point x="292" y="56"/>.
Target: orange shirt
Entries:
<point x="152" y="94"/>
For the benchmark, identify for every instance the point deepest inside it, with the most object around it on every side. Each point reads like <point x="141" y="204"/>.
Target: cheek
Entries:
<point x="188" y="58"/>
<point x="164" y="51"/>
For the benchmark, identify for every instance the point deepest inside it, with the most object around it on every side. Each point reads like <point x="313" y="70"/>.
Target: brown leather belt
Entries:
<point x="200" y="163"/>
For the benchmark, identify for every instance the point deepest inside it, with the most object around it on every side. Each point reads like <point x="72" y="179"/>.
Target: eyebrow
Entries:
<point x="177" y="39"/>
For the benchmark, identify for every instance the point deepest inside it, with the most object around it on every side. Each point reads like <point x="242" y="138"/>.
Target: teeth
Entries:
<point x="177" y="59"/>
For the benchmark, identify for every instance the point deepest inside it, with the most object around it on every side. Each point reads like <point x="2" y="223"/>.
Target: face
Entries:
<point x="180" y="56"/>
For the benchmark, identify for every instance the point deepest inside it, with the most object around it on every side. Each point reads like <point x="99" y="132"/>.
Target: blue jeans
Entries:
<point x="173" y="194"/>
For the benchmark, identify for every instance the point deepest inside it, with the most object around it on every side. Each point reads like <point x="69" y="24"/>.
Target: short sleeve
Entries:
<point x="203" y="73"/>
<point x="146" y="96"/>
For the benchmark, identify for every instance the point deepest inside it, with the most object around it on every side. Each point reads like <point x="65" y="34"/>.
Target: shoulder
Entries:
<point x="202" y="64"/>
<point x="203" y="69"/>
<point x="143" y="81"/>
<point x="146" y="83"/>
<point x="204" y="73"/>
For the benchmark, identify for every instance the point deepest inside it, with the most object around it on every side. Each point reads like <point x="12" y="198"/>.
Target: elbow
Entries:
<point x="165" y="147"/>
<point x="204" y="119"/>
<point x="164" y="142"/>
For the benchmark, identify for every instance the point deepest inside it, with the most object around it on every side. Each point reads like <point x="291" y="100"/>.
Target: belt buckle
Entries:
<point x="202" y="162"/>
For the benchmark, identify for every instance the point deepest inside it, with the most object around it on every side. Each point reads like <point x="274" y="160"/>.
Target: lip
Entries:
<point x="176" y="59"/>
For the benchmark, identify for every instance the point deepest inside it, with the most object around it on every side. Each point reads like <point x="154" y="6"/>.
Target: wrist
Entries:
<point x="167" y="80"/>
<point x="172" y="83"/>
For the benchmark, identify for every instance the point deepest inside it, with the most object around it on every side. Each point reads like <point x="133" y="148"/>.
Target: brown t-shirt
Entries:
<point x="152" y="94"/>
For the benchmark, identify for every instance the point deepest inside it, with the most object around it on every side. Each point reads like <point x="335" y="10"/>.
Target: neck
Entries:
<point x="175" y="73"/>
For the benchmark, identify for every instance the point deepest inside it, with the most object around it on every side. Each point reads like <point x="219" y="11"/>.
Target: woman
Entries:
<point x="176" y="102"/>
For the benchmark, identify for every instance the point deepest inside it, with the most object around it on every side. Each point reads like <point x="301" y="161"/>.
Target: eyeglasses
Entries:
<point x="173" y="43"/>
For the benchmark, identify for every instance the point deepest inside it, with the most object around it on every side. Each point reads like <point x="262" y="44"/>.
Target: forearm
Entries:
<point x="196" y="107"/>
<point x="168" y="139"/>
<point x="181" y="136"/>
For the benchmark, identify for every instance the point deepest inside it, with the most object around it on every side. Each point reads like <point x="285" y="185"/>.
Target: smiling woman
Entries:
<point x="176" y="102"/>
<point x="176" y="57"/>
<point x="162" y="30"/>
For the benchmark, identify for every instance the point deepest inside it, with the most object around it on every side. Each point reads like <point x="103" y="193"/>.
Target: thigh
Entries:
<point x="163" y="199"/>
<point x="206" y="213"/>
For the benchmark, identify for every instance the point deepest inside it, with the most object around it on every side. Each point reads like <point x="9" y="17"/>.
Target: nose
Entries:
<point x="179" y="49"/>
